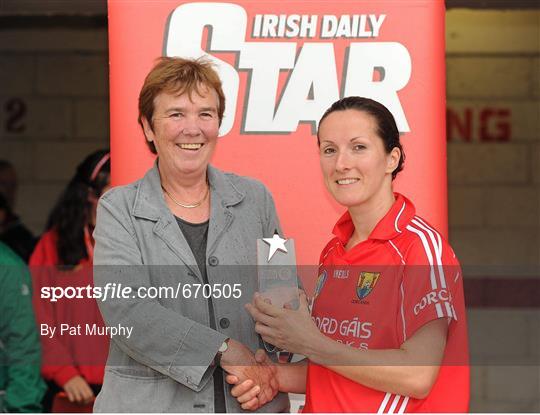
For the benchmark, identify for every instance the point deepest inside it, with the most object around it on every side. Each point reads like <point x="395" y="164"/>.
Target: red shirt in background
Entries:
<point x="69" y="354"/>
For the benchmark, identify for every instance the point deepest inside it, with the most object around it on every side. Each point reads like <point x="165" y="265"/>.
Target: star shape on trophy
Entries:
<point x="276" y="244"/>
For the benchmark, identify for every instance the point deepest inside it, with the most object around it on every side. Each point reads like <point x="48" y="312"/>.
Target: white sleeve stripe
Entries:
<point x="419" y="219"/>
<point x="384" y="403"/>
<point x="440" y="243"/>
<point x="438" y="251"/>
<point x="397" y="250"/>
<point x="428" y="254"/>
<point x="448" y="309"/>
<point x="432" y="232"/>
<point x="438" y="307"/>
<point x="454" y="312"/>
<point x="403" y="312"/>
<point x="398" y="216"/>
<point x="394" y="404"/>
<point x="403" y="405"/>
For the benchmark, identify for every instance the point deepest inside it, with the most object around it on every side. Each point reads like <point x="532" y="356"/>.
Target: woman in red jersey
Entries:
<point x="387" y="329"/>
<point x="73" y="360"/>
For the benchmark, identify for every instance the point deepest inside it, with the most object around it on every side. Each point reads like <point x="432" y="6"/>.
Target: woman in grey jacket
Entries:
<point x="180" y="247"/>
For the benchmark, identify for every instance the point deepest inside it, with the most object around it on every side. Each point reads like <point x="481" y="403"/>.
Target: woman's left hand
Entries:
<point x="291" y="330"/>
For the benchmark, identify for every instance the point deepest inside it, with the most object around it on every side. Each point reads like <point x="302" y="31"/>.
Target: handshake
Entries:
<point x="256" y="378"/>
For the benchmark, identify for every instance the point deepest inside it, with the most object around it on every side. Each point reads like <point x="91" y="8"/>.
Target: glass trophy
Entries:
<point x="276" y="269"/>
<point x="278" y="282"/>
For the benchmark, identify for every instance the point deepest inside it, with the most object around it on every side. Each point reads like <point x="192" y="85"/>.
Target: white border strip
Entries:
<point x="403" y="405"/>
<point x="384" y="403"/>
<point x="394" y="404"/>
<point x="397" y="250"/>
<point x="438" y="307"/>
<point x="398" y="216"/>
<point x="403" y="312"/>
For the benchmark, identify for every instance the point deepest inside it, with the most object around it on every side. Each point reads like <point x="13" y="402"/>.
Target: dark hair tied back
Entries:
<point x="386" y="124"/>
<point x="71" y="212"/>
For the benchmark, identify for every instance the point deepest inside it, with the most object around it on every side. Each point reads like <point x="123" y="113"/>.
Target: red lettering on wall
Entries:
<point x="459" y="125"/>
<point x="487" y="124"/>
<point x="495" y="125"/>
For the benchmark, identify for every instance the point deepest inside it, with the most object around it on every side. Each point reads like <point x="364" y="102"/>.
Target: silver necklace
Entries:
<point x="194" y="205"/>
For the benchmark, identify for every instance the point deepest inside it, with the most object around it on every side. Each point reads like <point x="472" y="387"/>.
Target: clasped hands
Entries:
<point x="282" y="327"/>
<point x="256" y="373"/>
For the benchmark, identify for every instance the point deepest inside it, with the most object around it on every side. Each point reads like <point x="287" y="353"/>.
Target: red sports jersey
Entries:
<point x="375" y="296"/>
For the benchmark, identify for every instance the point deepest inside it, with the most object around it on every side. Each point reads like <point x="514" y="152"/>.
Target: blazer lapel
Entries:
<point x="168" y="231"/>
<point x="149" y="204"/>
<point x="220" y="220"/>
<point x="223" y="195"/>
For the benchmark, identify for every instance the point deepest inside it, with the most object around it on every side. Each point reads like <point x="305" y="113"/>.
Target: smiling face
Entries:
<point x="356" y="168"/>
<point x="185" y="131"/>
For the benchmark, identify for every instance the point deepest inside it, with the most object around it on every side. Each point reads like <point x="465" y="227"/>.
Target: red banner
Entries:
<point x="282" y="64"/>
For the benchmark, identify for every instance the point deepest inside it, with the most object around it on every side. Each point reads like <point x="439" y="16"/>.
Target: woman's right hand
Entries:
<point x="78" y="390"/>
<point x="247" y="392"/>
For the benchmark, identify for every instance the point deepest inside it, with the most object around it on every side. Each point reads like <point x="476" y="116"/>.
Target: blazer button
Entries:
<point x="224" y="323"/>
<point x="213" y="261"/>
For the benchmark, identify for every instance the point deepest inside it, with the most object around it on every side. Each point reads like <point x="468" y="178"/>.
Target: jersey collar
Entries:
<point x="390" y="226"/>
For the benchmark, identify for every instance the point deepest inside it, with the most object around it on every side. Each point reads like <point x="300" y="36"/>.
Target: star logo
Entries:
<point x="276" y="243"/>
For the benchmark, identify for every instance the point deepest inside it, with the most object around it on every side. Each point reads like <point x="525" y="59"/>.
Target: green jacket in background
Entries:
<point x="21" y="386"/>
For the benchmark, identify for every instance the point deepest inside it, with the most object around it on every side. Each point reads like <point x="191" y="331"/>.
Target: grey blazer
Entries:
<point x="167" y="361"/>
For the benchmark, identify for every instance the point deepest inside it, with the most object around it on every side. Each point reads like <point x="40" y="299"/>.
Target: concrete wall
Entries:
<point x="493" y="65"/>
<point x="53" y="108"/>
<point x="493" y="93"/>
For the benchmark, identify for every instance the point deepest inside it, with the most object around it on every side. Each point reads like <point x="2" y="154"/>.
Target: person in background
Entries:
<point x="63" y="257"/>
<point x="21" y="386"/>
<point x="12" y="231"/>
<point x="387" y="332"/>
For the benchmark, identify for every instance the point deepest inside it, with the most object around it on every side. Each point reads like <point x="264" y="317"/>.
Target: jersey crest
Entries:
<point x="366" y="283"/>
